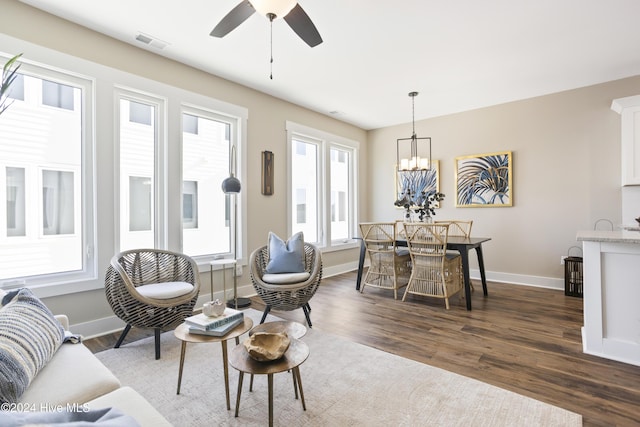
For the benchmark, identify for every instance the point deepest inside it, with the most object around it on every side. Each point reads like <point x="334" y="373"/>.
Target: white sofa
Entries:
<point x="75" y="376"/>
<point x="43" y="379"/>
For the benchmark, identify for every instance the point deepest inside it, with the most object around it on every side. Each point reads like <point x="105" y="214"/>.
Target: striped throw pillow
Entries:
<point x="29" y="337"/>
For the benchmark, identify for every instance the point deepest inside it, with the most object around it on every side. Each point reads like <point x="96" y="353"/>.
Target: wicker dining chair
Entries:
<point x="458" y="227"/>
<point x="151" y="288"/>
<point x="389" y="266"/>
<point x="433" y="273"/>
<point x="286" y="296"/>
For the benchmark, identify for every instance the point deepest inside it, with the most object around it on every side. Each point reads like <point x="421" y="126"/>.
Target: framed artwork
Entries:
<point x="267" y="173"/>
<point x="418" y="182"/>
<point x="484" y="180"/>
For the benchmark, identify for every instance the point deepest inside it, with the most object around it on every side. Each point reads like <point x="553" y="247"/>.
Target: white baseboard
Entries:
<point x="493" y="276"/>
<point x="111" y="324"/>
<point x="520" y="279"/>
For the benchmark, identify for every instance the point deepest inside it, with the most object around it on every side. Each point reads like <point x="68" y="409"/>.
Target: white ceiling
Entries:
<point x="458" y="54"/>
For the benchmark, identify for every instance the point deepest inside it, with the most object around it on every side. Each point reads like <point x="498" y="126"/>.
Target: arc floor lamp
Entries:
<point x="231" y="187"/>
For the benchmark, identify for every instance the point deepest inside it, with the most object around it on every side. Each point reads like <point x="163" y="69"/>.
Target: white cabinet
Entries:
<point x="629" y="109"/>
<point x="611" y="292"/>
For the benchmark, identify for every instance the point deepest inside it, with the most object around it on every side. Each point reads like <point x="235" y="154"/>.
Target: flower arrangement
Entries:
<point x="421" y="203"/>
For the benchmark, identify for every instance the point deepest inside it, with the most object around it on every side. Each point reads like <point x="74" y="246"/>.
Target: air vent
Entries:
<point x="151" y="41"/>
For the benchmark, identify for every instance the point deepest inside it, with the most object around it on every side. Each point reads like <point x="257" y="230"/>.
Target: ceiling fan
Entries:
<point x="289" y="10"/>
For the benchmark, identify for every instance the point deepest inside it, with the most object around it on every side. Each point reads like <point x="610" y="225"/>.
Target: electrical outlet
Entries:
<point x="562" y="258"/>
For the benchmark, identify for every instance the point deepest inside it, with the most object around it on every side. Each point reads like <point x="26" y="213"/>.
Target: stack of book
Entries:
<point x="215" y="326"/>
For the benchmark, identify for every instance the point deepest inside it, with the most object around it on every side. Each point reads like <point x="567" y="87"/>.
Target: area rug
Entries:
<point x="344" y="383"/>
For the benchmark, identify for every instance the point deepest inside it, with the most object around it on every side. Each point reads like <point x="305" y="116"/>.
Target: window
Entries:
<point x="140" y="203"/>
<point x="190" y="124"/>
<point x="57" y="202"/>
<point x="146" y="199"/>
<point x="322" y="186"/>
<point x="138" y="142"/>
<point x="17" y="88"/>
<point x="141" y="113"/>
<point x="190" y="204"/>
<point x="207" y="212"/>
<point x="57" y="205"/>
<point x="57" y="95"/>
<point x="305" y="182"/>
<point x="340" y="184"/>
<point x="46" y="155"/>
<point x="16" y="190"/>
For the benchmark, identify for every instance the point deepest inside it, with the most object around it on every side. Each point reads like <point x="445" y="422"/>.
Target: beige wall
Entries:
<point x="566" y="174"/>
<point x="266" y="131"/>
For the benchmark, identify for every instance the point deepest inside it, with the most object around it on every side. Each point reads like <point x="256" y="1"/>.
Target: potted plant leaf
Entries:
<point x="8" y="76"/>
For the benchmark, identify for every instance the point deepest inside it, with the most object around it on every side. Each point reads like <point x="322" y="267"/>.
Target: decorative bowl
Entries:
<point x="265" y="346"/>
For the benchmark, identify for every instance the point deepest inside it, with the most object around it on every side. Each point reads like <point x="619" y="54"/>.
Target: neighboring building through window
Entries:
<point x="44" y="165"/>
<point x="206" y="141"/>
<point x="138" y="141"/>
<point x="157" y="171"/>
<point x="304" y="178"/>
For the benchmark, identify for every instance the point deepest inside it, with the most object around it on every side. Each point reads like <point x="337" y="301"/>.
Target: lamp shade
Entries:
<point x="231" y="185"/>
<point x="280" y="8"/>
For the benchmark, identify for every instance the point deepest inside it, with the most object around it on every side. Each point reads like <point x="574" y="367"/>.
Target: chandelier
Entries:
<point x="416" y="178"/>
<point x="412" y="153"/>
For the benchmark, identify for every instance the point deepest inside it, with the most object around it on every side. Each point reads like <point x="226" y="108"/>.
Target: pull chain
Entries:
<point x="271" y="18"/>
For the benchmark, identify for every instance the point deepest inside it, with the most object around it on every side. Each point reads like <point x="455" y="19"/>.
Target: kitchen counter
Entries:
<point x="611" y="292"/>
<point x="621" y="236"/>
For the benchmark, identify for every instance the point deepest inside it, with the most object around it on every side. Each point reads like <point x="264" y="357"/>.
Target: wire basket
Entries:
<point x="573" y="278"/>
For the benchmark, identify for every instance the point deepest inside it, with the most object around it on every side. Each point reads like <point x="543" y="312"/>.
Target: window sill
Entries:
<point x="349" y="244"/>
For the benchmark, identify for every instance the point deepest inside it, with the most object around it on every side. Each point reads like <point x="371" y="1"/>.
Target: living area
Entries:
<point x="566" y="177"/>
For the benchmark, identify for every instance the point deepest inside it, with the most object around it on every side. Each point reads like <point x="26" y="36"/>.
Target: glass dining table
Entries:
<point x="458" y="243"/>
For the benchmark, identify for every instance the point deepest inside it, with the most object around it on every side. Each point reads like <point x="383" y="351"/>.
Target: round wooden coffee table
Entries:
<point x="182" y="333"/>
<point x="295" y="355"/>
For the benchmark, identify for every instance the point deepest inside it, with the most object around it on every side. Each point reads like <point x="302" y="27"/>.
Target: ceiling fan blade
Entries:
<point x="237" y="16"/>
<point x="300" y="22"/>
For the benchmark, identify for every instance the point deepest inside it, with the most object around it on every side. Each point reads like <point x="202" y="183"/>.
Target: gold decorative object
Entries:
<point x="265" y="346"/>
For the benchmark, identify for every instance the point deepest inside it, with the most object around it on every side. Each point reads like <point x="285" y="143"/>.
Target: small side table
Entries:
<point x="293" y="329"/>
<point x="296" y="354"/>
<point x="182" y="333"/>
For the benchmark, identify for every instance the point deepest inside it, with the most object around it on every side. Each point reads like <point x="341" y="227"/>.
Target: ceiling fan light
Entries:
<point x="280" y="8"/>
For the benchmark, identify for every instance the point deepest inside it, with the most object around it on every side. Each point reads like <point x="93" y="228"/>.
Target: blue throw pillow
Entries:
<point x="286" y="257"/>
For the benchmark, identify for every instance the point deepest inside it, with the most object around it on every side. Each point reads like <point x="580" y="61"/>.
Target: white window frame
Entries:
<point x="238" y="140"/>
<point x="99" y="185"/>
<point x="159" y="220"/>
<point x="325" y="141"/>
<point x="63" y="282"/>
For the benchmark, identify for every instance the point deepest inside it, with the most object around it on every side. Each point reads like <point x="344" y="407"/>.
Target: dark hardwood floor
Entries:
<point x="520" y="338"/>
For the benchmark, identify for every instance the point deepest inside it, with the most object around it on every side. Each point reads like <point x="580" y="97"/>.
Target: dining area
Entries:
<point x="429" y="259"/>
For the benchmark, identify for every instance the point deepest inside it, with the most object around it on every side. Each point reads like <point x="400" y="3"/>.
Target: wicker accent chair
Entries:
<point x="434" y="273"/>
<point x="390" y="266"/>
<point x="151" y="288"/>
<point x="286" y="296"/>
